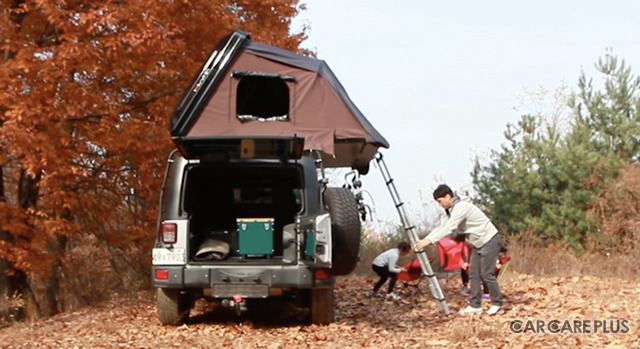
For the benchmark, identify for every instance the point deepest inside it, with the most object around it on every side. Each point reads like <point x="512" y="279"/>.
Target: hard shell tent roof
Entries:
<point x="251" y="90"/>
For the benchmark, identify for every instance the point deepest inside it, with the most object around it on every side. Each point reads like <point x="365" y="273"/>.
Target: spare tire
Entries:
<point x="345" y="230"/>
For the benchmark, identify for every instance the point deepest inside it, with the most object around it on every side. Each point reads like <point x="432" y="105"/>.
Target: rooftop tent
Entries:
<point x="248" y="90"/>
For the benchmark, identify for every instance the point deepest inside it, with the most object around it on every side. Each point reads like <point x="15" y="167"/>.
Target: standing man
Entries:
<point x="481" y="235"/>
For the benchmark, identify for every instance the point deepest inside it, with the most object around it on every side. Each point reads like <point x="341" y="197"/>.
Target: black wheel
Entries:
<point x="345" y="230"/>
<point x="173" y="306"/>
<point x="321" y="307"/>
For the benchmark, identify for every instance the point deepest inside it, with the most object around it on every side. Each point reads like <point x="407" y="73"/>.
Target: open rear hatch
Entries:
<point x="249" y="95"/>
<point x="240" y="211"/>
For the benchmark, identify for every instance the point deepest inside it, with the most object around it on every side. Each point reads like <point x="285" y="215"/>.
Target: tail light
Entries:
<point x="320" y="274"/>
<point x="169" y="233"/>
<point x="162" y="274"/>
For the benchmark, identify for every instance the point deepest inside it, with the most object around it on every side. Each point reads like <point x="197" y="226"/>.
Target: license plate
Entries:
<point x="169" y="256"/>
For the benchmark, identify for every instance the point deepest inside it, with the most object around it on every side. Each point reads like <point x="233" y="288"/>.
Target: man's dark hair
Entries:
<point x="441" y="191"/>
<point x="404" y="246"/>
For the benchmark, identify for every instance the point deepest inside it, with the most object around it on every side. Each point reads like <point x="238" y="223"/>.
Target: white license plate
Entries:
<point x="169" y="256"/>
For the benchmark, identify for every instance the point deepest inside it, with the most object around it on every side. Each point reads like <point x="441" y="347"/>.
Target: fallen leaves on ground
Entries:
<point x="361" y="322"/>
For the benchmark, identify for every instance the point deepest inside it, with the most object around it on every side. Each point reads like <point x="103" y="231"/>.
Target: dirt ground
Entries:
<point x="605" y="311"/>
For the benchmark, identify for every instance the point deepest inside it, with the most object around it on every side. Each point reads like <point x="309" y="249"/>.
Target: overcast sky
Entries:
<point x="442" y="79"/>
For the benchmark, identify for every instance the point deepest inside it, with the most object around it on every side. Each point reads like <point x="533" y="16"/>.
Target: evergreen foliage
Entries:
<point x="546" y="179"/>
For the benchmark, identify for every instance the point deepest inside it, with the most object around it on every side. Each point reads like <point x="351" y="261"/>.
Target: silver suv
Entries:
<point x="251" y="229"/>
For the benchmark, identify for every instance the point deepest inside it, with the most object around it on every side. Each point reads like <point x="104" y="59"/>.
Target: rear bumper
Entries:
<point x="251" y="280"/>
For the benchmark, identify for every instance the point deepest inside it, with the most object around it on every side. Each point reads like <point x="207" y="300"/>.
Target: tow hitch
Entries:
<point x="237" y="302"/>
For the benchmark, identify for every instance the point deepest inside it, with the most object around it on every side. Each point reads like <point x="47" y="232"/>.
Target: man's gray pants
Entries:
<point x="482" y="270"/>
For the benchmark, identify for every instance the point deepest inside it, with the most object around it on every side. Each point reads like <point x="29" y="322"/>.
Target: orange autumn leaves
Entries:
<point x="88" y="89"/>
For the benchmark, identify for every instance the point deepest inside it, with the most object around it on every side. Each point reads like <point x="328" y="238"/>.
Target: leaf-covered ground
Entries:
<point x="361" y="322"/>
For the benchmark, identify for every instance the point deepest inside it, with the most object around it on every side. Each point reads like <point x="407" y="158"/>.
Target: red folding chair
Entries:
<point x="453" y="254"/>
<point x="414" y="270"/>
<point x="412" y="276"/>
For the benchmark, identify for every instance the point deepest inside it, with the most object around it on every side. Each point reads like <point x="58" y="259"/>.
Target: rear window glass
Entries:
<point x="252" y="190"/>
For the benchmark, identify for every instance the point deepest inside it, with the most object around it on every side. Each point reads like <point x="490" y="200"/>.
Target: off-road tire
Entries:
<point x="173" y="306"/>
<point x="321" y="310"/>
<point x="345" y="230"/>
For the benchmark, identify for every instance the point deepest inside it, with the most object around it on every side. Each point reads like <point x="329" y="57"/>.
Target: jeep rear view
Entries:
<point x="246" y="213"/>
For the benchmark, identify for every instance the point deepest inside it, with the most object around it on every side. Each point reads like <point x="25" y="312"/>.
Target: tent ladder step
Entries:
<point x="410" y="230"/>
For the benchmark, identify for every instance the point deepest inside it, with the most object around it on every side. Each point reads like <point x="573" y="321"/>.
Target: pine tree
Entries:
<point x="545" y="179"/>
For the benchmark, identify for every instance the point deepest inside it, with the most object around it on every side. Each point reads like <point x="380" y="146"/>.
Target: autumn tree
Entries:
<point x="88" y="88"/>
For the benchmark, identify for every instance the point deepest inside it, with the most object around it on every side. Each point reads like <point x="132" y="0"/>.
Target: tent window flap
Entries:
<point x="262" y="97"/>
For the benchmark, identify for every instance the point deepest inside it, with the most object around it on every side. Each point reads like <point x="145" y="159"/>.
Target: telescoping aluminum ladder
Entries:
<point x="410" y="230"/>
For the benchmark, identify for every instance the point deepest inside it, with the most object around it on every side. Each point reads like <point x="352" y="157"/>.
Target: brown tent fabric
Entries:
<point x="320" y="110"/>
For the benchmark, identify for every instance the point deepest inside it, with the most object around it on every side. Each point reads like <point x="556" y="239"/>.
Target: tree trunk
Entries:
<point x="8" y="284"/>
<point x="17" y="281"/>
<point x="14" y="286"/>
<point x="54" y="303"/>
<point x="14" y="282"/>
<point x="28" y="189"/>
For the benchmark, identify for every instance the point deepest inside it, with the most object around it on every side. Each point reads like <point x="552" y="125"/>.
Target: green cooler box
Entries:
<point x="255" y="236"/>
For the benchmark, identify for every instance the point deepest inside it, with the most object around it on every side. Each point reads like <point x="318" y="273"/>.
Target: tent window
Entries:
<point x="263" y="98"/>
